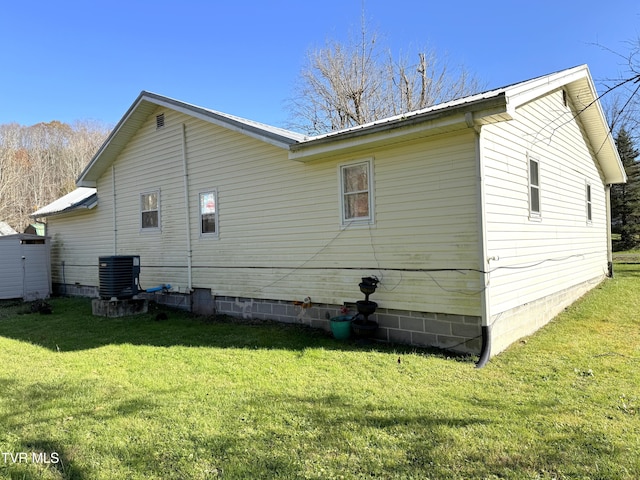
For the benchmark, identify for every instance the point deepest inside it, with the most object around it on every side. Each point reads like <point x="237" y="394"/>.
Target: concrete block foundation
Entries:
<point x="457" y="333"/>
<point x="119" y="308"/>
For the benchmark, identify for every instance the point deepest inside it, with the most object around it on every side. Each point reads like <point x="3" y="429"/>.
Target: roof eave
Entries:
<point x="228" y="121"/>
<point x="102" y="159"/>
<point x="432" y="122"/>
<point x="593" y="119"/>
<point x="577" y="82"/>
<point x="145" y="105"/>
<point x="86" y="204"/>
<point x="63" y="212"/>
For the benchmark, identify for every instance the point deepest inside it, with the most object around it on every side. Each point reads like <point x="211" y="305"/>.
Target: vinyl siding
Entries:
<point x="279" y="220"/>
<point x="280" y="234"/>
<point x="533" y="258"/>
<point x="78" y="240"/>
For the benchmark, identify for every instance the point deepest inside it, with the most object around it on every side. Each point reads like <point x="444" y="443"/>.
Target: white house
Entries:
<point x="482" y="217"/>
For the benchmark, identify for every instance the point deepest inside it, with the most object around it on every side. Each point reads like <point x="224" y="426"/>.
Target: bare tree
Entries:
<point x="621" y="95"/>
<point x="40" y="163"/>
<point x="342" y="86"/>
<point x="11" y="157"/>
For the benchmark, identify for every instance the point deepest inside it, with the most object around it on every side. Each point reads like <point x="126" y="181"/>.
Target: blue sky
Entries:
<point x="88" y="60"/>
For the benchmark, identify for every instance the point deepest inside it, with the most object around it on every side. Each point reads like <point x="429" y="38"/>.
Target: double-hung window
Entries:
<point x="209" y="213"/>
<point x="589" y="204"/>
<point x="356" y="192"/>
<point x="534" y="188"/>
<point x="150" y="211"/>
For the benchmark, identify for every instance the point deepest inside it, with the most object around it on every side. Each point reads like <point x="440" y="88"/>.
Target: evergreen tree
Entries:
<point x="625" y="198"/>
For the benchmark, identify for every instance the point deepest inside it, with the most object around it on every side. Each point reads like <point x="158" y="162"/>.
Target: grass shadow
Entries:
<point x="627" y="269"/>
<point x="33" y="401"/>
<point x="54" y="409"/>
<point x="72" y="327"/>
<point x="44" y="454"/>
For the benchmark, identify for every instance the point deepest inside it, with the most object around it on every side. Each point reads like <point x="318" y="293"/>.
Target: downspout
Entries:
<point x="607" y="193"/>
<point x="186" y="209"/>
<point x="115" y="215"/>
<point x="485" y="317"/>
<point x="24" y="274"/>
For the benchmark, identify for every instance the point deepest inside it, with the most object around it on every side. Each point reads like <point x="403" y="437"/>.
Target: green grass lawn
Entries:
<point x="183" y="398"/>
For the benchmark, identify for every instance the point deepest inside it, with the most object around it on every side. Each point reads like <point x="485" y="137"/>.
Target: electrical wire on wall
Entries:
<point x="554" y="125"/>
<point x="306" y="262"/>
<point x="429" y="272"/>
<point x="380" y="271"/>
<point x="585" y="107"/>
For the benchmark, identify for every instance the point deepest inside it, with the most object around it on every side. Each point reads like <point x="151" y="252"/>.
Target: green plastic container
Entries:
<point x="341" y="327"/>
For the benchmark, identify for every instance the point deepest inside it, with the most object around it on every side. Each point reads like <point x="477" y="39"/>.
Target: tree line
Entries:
<point x="40" y="163"/>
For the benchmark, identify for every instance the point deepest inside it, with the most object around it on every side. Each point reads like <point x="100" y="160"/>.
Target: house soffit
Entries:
<point x="578" y="85"/>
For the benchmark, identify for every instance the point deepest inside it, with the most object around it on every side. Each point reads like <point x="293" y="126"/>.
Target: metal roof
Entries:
<point x="81" y="197"/>
<point x="487" y="107"/>
<point x="5" y="229"/>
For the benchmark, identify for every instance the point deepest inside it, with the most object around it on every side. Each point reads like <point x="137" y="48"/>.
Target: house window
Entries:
<point x="209" y="213"/>
<point x="150" y="211"/>
<point x="589" y="205"/>
<point x="356" y="196"/>
<point x="534" y="188"/>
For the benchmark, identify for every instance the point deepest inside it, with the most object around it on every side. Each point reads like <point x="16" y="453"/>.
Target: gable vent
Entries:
<point x="160" y="121"/>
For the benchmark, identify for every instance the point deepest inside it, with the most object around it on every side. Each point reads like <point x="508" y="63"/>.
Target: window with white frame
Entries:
<point x="589" y="204"/>
<point x="150" y="211"/>
<point x="356" y="192"/>
<point x="209" y="213"/>
<point x="534" y="188"/>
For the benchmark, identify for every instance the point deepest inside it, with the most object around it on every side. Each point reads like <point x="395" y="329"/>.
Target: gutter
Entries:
<point x="444" y="116"/>
<point x="86" y="204"/>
